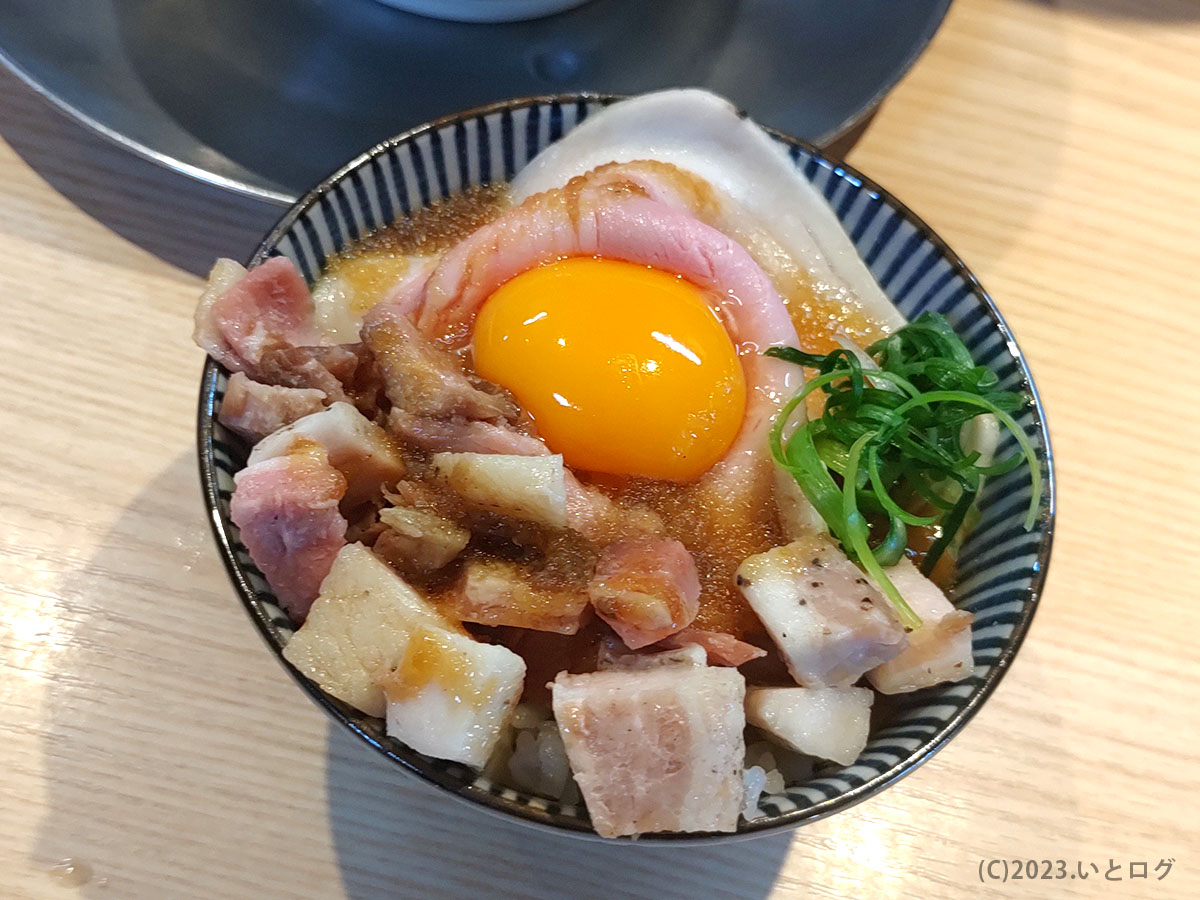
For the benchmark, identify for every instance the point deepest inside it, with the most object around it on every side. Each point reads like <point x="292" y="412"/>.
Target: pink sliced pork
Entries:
<point x="286" y="508"/>
<point x="658" y="749"/>
<point x="645" y="589"/>
<point x="255" y="410"/>
<point x="268" y="306"/>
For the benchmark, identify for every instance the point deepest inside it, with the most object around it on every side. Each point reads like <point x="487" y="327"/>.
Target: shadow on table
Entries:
<point x="180" y="220"/>
<point x="397" y="836"/>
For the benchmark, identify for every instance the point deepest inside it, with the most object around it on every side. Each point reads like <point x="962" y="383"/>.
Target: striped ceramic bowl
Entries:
<point x="1002" y="567"/>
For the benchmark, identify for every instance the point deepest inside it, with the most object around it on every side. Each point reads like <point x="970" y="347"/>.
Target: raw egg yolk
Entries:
<point x="624" y="369"/>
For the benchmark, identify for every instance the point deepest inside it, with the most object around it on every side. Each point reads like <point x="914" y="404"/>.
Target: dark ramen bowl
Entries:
<point x="1001" y="569"/>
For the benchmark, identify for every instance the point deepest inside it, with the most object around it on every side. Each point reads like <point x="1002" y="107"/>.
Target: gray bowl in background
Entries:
<point x="267" y="99"/>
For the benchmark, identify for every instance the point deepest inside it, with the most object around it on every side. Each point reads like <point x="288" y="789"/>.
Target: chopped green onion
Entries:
<point x="891" y="433"/>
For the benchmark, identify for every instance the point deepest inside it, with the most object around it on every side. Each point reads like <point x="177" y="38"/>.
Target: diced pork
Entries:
<point x="418" y="542"/>
<point x="646" y="589"/>
<point x="655" y="750"/>
<point x="224" y="274"/>
<point x="427" y="381"/>
<point x="939" y="650"/>
<point x="357" y="447"/>
<point x="502" y="593"/>
<point x="358" y="629"/>
<point x="451" y="696"/>
<point x="831" y="723"/>
<point x="286" y="508"/>
<point x="828" y="620"/>
<point x="722" y="649"/>
<point x="531" y="488"/>
<point x="615" y="655"/>
<point x="588" y="510"/>
<point x="375" y="643"/>
<point x="328" y="369"/>
<point x="462" y="436"/>
<point x="238" y="319"/>
<point x="255" y="410"/>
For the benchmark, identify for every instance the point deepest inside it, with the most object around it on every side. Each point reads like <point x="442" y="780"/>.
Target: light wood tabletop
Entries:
<point x="149" y="738"/>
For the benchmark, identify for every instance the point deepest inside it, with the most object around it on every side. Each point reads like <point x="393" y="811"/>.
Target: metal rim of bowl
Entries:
<point x="522" y="812"/>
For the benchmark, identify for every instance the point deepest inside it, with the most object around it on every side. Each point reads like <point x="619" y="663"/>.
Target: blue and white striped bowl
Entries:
<point x="1002" y="567"/>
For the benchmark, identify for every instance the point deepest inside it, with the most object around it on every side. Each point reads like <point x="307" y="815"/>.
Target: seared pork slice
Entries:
<point x="255" y="410"/>
<point x="493" y="592"/>
<point x="828" y="620"/>
<point x="358" y="629"/>
<point x="239" y="318"/>
<point x="286" y="508"/>
<point x="426" y="381"/>
<point x="939" y="650"/>
<point x="451" y="696"/>
<point x="418" y="542"/>
<point x="831" y="723"/>
<point x="658" y="749"/>
<point x="722" y="649"/>
<point x="646" y="589"/>
<point x="531" y="488"/>
<point x="357" y="447"/>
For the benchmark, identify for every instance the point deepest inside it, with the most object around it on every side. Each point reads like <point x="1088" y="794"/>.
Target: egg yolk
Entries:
<point x="624" y="369"/>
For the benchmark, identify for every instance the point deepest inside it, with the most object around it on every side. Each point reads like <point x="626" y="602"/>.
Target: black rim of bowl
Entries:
<point x="521" y="811"/>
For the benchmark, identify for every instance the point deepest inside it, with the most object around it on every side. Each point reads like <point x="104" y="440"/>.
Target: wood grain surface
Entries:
<point x="147" y="735"/>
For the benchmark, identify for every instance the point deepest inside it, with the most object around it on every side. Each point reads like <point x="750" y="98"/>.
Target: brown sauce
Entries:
<point x="436" y="228"/>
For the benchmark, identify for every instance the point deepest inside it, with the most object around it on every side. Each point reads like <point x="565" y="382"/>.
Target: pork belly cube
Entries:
<point x="255" y="410"/>
<point x="658" y="749"/>
<point x="357" y="447"/>
<point x="359" y="628"/>
<point x="450" y="696"/>
<point x="494" y="592"/>
<point x="419" y="541"/>
<point x="286" y="510"/>
<point x="646" y="589"/>
<point x="831" y="723"/>
<point x="828" y="620"/>
<point x="939" y="650"/>
<point x="532" y="488"/>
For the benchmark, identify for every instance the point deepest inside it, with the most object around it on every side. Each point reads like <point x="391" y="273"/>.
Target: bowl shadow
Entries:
<point x="397" y="836"/>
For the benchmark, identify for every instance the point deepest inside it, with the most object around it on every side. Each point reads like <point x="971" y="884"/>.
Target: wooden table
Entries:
<point x="147" y="735"/>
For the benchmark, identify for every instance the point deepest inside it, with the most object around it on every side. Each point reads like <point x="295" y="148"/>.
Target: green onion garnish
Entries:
<point x="890" y="438"/>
